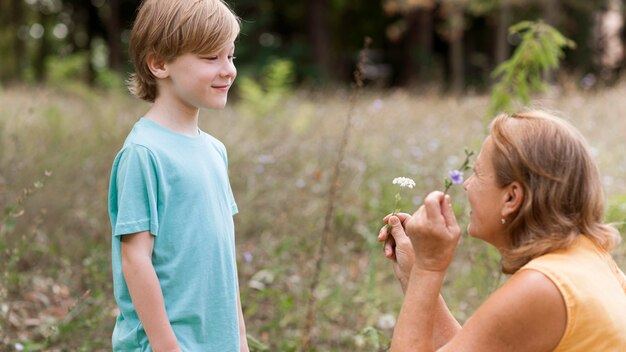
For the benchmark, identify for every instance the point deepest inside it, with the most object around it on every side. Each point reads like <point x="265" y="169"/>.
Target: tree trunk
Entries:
<point x="42" y="50"/>
<point x="502" y="50"/>
<point x="92" y="21"/>
<point x="19" y="50"/>
<point x="418" y="46"/>
<point x="114" y="36"/>
<point x="551" y="11"/>
<point x="457" y="69"/>
<point x="318" y="34"/>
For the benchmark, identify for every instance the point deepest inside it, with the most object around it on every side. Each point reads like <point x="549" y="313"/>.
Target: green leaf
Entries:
<point x="540" y="50"/>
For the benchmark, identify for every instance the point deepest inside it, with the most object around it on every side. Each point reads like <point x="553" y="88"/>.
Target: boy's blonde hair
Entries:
<point x="167" y="29"/>
<point x="563" y="195"/>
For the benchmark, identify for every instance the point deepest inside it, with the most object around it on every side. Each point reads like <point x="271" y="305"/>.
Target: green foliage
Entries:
<point x="482" y="7"/>
<point x="257" y="346"/>
<point x="262" y="97"/>
<point x="109" y="79"/>
<point x="62" y="70"/>
<point x="12" y="249"/>
<point x="616" y="213"/>
<point x="373" y="339"/>
<point x="540" y="50"/>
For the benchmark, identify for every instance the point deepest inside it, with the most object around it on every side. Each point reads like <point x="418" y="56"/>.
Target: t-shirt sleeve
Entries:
<point x="231" y="197"/>
<point x="233" y="205"/>
<point x="133" y="195"/>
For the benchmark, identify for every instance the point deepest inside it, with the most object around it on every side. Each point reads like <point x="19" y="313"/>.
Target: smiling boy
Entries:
<point x="170" y="201"/>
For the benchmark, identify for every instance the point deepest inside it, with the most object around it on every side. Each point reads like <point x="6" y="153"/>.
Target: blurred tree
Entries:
<point x="318" y="34"/>
<point x="414" y="30"/>
<point x="415" y="42"/>
<point x="16" y="19"/>
<point x="114" y="35"/>
<point x="41" y="31"/>
<point x="454" y="29"/>
<point x="502" y="50"/>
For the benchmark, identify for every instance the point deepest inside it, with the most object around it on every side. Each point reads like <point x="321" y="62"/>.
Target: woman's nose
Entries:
<point x="466" y="182"/>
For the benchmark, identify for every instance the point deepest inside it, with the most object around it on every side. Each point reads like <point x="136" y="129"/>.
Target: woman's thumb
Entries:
<point x="396" y="226"/>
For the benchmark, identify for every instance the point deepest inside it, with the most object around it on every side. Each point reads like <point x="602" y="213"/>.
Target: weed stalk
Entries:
<point x="332" y="195"/>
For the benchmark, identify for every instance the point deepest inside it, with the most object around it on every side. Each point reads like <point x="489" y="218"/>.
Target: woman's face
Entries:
<point x="486" y="199"/>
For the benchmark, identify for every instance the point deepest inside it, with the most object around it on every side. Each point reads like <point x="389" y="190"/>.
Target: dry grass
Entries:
<point x="280" y="165"/>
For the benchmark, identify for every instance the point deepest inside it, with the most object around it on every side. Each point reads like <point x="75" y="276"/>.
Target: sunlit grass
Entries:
<point x="280" y="164"/>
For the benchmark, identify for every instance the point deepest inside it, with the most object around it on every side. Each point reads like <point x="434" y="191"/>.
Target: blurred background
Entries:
<point x="294" y="114"/>
<point x="453" y="44"/>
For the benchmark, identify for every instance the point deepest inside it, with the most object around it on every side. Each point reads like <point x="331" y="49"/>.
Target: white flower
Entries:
<point x="404" y="182"/>
<point x="386" y="322"/>
<point x="261" y="280"/>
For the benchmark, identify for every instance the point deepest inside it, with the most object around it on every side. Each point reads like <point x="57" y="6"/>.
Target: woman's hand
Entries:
<point x="434" y="233"/>
<point x="397" y="246"/>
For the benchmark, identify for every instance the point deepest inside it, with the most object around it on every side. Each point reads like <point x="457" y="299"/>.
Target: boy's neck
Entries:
<point x="176" y="117"/>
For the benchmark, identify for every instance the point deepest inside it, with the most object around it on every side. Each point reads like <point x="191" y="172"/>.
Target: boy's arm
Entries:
<point x="243" y="338"/>
<point x="145" y="291"/>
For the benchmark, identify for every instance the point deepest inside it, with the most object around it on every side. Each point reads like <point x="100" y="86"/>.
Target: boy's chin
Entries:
<point x="215" y="106"/>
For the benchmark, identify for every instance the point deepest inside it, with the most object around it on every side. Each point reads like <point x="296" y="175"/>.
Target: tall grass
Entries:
<point x="56" y="289"/>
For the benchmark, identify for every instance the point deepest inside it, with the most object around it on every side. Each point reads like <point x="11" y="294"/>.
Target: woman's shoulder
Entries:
<point x="528" y="311"/>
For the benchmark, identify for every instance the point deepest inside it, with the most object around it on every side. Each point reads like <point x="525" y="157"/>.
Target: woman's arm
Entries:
<point x="145" y="291"/>
<point x="397" y="247"/>
<point x="415" y="327"/>
<point x="527" y="314"/>
<point x="434" y="234"/>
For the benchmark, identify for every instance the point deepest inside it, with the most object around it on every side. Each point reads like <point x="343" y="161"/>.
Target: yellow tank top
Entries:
<point x="594" y="291"/>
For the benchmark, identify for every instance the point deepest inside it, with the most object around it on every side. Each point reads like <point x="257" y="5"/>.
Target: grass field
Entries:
<point x="57" y="145"/>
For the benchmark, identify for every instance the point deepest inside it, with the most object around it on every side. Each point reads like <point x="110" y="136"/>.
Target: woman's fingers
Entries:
<point x="448" y="216"/>
<point x="402" y="216"/>
<point x="390" y="248"/>
<point x="432" y="204"/>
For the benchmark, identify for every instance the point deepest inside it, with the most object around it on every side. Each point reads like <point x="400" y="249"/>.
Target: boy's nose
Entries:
<point x="229" y="69"/>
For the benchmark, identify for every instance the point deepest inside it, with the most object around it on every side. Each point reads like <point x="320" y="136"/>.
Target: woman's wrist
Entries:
<point x="427" y="270"/>
<point x="432" y="265"/>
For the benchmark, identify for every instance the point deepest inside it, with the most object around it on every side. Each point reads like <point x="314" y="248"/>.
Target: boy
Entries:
<point x="170" y="201"/>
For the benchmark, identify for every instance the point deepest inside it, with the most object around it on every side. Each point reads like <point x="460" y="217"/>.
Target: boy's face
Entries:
<point x="200" y="81"/>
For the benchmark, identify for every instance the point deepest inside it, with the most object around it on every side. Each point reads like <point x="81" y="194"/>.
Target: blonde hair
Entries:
<point x="170" y="28"/>
<point x="563" y="195"/>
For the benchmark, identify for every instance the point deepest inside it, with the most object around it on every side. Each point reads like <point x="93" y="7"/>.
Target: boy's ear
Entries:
<point x="514" y="197"/>
<point x="157" y="66"/>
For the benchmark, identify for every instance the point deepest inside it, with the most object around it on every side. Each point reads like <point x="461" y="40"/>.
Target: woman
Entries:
<point x="536" y="196"/>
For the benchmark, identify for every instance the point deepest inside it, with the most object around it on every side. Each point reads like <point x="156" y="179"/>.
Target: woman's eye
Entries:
<point x="211" y="58"/>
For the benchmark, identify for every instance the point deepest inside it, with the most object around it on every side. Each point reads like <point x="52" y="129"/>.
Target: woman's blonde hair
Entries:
<point x="170" y="28"/>
<point x="563" y="195"/>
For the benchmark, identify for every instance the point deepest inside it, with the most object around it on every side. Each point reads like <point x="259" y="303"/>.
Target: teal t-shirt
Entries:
<point x="177" y="187"/>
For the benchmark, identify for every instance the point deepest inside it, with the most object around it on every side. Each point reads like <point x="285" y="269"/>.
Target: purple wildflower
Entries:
<point x="456" y="177"/>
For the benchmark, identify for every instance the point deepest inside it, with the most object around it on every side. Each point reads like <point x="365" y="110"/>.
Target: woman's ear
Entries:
<point x="514" y="197"/>
<point x="157" y="66"/>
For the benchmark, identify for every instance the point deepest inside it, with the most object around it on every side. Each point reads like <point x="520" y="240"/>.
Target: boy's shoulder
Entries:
<point x="143" y="134"/>
<point x="154" y="139"/>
